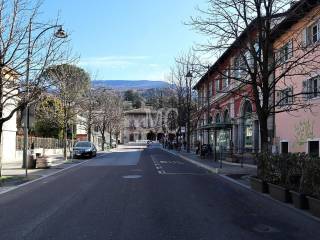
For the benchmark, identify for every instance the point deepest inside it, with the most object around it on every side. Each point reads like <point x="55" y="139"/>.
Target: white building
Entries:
<point x="9" y="128"/>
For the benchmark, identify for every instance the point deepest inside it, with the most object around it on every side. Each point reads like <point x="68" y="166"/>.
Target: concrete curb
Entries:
<point x="211" y="169"/>
<point x="46" y="176"/>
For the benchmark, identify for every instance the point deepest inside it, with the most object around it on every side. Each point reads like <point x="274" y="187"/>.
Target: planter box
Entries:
<point x="314" y="205"/>
<point x="279" y="193"/>
<point x="259" y="185"/>
<point x="42" y="162"/>
<point x="299" y="200"/>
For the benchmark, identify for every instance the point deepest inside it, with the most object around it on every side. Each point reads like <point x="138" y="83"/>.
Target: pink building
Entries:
<point x="298" y="129"/>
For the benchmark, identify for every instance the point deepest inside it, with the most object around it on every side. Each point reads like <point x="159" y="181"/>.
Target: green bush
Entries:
<point x="295" y="171"/>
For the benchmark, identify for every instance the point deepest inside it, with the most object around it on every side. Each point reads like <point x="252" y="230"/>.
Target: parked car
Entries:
<point x="84" y="149"/>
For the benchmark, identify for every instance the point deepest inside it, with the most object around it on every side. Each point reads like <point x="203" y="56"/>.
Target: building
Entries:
<point x="228" y="120"/>
<point x="137" y="125"/>
<point x="9" y="128"/>
<point x="298" y="38"/>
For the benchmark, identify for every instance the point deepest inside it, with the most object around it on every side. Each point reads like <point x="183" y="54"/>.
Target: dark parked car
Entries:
<point x="84" y="149"/>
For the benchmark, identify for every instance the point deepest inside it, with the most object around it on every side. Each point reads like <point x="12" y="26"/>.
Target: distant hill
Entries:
<point x="129" y="84"/>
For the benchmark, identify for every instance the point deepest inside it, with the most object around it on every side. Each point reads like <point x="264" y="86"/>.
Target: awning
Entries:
<point x="217" y="126"/>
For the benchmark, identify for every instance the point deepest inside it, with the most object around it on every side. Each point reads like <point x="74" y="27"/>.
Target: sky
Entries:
<point x="126" y="39"/>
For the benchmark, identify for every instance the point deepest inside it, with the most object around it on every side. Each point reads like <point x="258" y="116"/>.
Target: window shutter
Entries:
<point x="305" y="89"/>
<point x="278" y="97"/>
<point x="304" y="42"/>
<point x="290" y="49"/>
<point x="291" y="98"/>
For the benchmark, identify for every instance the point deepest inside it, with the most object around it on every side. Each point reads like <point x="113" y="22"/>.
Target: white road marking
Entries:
<point x="157" y="165"/>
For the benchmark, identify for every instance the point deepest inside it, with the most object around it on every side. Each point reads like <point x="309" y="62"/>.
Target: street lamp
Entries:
<point x="60" y="33"/>
<point x="189" y="81"/>
<point x="189" y="76"/>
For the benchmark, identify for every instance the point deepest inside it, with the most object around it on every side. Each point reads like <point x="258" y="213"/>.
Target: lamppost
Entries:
<point x="189" y="80"/>
<point x="60" y="33"/>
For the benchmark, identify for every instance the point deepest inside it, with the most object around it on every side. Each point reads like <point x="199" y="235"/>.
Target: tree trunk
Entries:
<point x="1" y="149"/>
<point x="103" y="142"/>
<point x="188" y="135"/>
<point x="264" y="134"/>
<point x="110" y="138"/>
<point x="65" y="133"/>
<point x="89" y="127"/>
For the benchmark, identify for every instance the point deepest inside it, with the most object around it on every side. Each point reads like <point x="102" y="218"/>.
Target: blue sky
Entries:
<point x="126" y="39"/>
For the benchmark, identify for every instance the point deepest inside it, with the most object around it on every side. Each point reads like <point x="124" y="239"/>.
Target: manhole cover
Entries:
<point x="132" y="176"/>
<point x="262" y="228"/>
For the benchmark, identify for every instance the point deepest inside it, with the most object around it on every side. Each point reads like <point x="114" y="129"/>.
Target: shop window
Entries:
<point x="247" y="125"/>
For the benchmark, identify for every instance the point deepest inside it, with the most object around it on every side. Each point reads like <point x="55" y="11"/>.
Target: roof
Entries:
<point x="299" y="8"/>
<point x="294" y="14"/>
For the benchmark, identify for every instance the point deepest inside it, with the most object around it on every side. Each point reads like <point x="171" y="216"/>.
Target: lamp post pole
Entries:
<point x="26" y="111"/>
<point x="59" y="34"/>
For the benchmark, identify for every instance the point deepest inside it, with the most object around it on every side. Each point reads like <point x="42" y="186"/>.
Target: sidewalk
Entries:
<point x="231" y="170"/>
<point x="16" y="173"/>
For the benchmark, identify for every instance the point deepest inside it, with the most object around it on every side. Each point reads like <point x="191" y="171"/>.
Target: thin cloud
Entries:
<point x="113" y="61"/>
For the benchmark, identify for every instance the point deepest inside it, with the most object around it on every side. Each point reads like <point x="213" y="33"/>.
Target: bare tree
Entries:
<point x="26" y="49"/>
<point x="247" y="30"/>
<point x="108" y="114"/>
<point x="184" y="75"/>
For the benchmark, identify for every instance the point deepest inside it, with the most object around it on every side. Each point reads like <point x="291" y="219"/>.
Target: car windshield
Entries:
<point x="83" y="144"/>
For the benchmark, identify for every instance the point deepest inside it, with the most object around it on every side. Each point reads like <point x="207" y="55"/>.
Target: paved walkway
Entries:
<point x="232" y="170"/>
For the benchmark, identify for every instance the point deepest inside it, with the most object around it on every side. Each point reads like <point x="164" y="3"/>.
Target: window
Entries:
<point x="311" y="34"/>
<point x="239" y="67"/>
<point x="210" y="89"/>
<point x="225" y="79"/>
<point x="285" y="96"/>
<point x="218" y="118"/>
<point x="285" y="52"/>
<point x="311" y="88"/>
<point x="217" y="85"/>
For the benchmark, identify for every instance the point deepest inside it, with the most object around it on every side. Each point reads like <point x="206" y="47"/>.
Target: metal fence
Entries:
<point x="38" y="142"/>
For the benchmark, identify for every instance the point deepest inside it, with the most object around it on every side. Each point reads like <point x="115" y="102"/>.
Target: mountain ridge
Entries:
<point x="130" y="84"/>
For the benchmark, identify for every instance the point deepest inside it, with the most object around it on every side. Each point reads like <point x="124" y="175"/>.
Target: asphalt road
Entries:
<point x="145" y="195"/>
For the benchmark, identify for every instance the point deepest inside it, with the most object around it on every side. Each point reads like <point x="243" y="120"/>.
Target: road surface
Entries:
<point x="145" y="195"/>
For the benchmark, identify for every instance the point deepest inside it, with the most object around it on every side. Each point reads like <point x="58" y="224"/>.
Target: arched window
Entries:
<point x="218" y="118"/>
<point x="247" y="108"/>
<point x="226" y="116"/>
<point x="247" y="125"/>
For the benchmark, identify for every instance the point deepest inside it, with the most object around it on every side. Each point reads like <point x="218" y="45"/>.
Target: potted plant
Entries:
<point x="296" y="177"/>
<point x="259" y="182"/>
<point x="312" y="181"/>
<point x="277" y="181"/>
